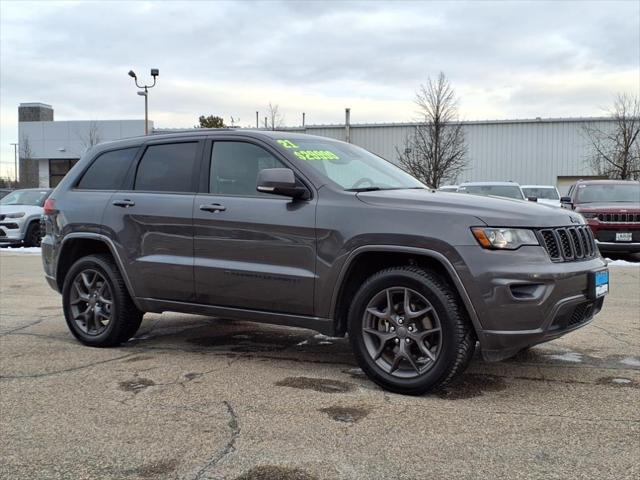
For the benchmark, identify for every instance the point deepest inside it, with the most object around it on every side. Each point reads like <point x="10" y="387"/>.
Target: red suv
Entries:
<point x="612" y="209"/>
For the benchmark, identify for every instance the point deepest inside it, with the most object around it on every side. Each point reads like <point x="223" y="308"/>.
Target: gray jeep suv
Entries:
<point x="311" y="232"/>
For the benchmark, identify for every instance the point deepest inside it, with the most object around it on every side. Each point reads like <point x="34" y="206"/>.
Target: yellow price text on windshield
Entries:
<point x="287" y="144"/>
<point x="316" y="155"/>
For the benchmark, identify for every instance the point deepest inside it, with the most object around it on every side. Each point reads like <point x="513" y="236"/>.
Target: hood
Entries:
<point x="27" y="209"/>
<point x="493" y="211"/>
<point x="608" y="207"/>
<point x="547" y="201"/>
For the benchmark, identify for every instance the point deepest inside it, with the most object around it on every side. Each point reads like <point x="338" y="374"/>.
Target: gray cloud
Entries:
<point x="504" y="58"/>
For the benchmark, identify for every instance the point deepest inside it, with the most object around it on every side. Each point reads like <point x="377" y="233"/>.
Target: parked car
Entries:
<point x="20" y="214"/>
<point x="311" y="232"/>
<point x="612" y="210"/>
<point x="546" y="194"/>
<point x="495" y="189"/>
<point x="448" y="188"/>
<point x="4" y="192"/>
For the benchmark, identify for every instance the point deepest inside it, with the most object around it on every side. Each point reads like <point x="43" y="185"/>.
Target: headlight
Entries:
<point x="504" y="238"/>
<point x="14" y="215"/>
<point x="589" y="215"/>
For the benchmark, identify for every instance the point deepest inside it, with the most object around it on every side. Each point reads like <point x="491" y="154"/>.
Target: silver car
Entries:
<point x="20" y="214"/>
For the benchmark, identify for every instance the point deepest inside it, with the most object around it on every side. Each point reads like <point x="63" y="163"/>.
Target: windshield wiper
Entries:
<point x="367" y="189"/>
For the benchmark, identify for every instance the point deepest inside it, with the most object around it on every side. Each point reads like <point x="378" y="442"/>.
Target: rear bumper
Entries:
<point x="521" y="298"/>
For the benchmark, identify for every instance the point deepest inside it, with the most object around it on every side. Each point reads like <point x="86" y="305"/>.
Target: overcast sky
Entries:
<point x="504" y="59"/>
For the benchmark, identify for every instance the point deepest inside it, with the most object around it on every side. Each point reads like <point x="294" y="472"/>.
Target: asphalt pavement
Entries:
<point x="204" y="398"/>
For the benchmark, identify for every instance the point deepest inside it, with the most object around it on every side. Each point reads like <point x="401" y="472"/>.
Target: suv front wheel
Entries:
<point x="96" y="303"/>
<point x="408" y="330"/>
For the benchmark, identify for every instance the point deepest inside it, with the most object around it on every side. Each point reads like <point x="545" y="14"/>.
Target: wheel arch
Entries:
<point x="78" y="245"/>
<point x="367" y="260"/>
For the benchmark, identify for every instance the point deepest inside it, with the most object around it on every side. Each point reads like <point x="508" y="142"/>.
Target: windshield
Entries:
<point x="546" y="193"/>
<point x="348" y="166"/>
<point x="508" y="191"/>
<point x="26" y="197"/>
<point x="605" y="193"/>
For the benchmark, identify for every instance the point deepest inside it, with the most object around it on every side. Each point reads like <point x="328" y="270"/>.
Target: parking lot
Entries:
<point x="193" y="398"/>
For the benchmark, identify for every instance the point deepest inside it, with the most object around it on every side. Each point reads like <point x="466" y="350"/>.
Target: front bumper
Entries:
<point x="11" y="231"/>
<point x="521" y="298"/>
<point x="618" y="247"/>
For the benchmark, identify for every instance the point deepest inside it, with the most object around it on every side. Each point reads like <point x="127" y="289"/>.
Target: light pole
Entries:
<point x="15" y="161"/>
<point x="154" y="73"/>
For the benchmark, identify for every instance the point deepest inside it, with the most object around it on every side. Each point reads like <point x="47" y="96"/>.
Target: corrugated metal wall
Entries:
<point x="525" y="151"/>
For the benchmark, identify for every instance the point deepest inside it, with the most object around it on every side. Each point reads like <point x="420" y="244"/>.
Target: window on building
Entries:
<point x="167" y="168"/>
<point x="58" y="168"/>
<point x="108" y="170"/>
<point x="235" y="167"/>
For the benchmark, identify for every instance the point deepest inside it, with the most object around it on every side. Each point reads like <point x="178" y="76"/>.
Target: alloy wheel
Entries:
<point x="91" y="302"/>
<point x="402" y="332"/>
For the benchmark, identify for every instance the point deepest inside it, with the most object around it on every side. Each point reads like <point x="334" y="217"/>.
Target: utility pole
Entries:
<point x="266" y="125"/>
<point x="15" y="161"/>
<point x="257" y="120"/>
<point x="347" y="124"/>
<point x="303" y="115"/>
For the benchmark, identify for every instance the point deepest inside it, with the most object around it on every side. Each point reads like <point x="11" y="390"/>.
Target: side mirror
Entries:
<point x="566" y="201"/>
<point x="280" y="181"/>
<point x="532" y="199"/>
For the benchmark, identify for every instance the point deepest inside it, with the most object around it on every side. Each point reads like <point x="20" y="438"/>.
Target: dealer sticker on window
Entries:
<point x="599" y="283"/>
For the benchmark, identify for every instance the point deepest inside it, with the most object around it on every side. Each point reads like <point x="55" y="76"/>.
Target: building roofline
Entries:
<point x="35" y="104"/>
<point x="463" y="122"/>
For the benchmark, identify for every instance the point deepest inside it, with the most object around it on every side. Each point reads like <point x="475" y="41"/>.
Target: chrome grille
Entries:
<point x="567" y="244"/>
<point x="619" y="217"/>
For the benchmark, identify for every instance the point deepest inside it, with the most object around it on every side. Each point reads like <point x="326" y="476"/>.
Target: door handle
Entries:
<point x="124" y="203"/>
<point x="214" y="207"/>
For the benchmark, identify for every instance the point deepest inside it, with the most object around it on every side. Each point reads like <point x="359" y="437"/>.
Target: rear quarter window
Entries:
<point x="107" y="172"/>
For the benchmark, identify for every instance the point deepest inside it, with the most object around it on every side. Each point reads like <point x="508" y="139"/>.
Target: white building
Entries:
<point x="48" y="149"/>
<point x="538" y="151"/>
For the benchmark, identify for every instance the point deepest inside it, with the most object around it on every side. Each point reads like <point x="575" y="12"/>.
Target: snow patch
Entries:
<point x="622" y="381"/>
<point x="23" y="250"/>
<point x="621" y="263"/>
<point x="320" y="336"/>
<point x="573" y="357"/>
<point x="631" y="361"/>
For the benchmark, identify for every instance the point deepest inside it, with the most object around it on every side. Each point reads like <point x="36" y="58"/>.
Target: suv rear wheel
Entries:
<point x="96" y="303"/>
<point x="408" y="330"/>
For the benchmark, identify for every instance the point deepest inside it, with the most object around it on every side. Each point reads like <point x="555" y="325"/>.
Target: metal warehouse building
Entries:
<point x="539" y="151"/>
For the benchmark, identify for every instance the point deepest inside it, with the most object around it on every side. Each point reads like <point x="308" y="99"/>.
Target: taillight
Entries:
<point x="49" y="206"/>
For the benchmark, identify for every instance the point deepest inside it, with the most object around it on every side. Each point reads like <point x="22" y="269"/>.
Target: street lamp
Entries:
<point x="154" y="73"/>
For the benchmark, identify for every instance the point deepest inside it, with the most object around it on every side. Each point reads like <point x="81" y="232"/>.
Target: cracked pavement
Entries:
<point x="203" y="398"/>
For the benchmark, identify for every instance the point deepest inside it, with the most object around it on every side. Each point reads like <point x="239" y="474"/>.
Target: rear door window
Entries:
<point x="107" y="172"/>
<point x="168" y="167"/>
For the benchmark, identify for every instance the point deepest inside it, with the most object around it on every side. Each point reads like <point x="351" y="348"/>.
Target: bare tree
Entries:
<point x="616" y="152"/>
<point x="436" y="152"/>
<point x="28" y="167"/>
<point x="91" y="137"/>
<point x="275" y="119"/>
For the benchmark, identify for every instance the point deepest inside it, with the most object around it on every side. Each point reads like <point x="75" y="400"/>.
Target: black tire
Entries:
<point x="33" y="237"/>
<point x="125" y="316"/>
<point x="457" y="335"/>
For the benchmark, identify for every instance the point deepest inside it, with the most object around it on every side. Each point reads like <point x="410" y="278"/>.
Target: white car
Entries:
<point x="496" y="189"/>
<point x="20" y="214"/>
<point x="546" y="194"/>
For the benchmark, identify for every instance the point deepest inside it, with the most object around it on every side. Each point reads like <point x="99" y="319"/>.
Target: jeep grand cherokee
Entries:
<point x="310" y="232"/>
